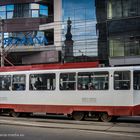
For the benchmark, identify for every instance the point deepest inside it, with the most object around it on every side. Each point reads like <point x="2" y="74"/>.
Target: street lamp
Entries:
<point x="1" y="42"/>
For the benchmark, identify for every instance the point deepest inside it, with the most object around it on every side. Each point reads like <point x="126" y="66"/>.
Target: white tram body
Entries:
<point x="112" y="91"/>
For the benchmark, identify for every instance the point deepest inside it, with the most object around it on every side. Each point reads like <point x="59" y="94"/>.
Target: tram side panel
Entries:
<point x="56" y="101"/>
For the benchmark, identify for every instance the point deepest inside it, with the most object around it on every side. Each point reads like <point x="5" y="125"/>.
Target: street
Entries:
<point x="11" y="132"/>
<point x="61" y="128"/>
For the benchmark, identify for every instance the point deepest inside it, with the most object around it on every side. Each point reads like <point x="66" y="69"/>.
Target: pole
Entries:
<point x="1" y="43"/>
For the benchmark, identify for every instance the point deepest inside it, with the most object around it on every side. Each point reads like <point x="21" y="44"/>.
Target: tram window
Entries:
<point x="93" y="80"/>
<point x="67" y="81"/>
<point x="42" y="81"/>
<point x="136" y="80"/>
<point x="19" y="82"/>
<point x="5" y="82"/>
<point x="122" y="80"/>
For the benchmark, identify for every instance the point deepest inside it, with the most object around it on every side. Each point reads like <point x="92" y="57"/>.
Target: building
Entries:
<point x="107" y="31"/>
<point x="123" y="32"/>
<point x="34" y="30"/>
<point x="24" y="42"/>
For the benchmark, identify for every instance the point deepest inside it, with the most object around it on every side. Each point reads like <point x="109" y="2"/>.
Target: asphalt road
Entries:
<point x="61" y="128"/>
<point x="13" y="132"/>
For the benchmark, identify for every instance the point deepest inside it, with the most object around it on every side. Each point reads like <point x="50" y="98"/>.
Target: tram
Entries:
<point x="78" y="91"/>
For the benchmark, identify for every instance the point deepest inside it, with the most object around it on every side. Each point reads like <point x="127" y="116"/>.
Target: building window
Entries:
<point x="3" y="15"/>
<point x="23" y="11"/>
<point x="34" y="6"/>
<point x="43" y="12"/>
<point x="9" y="7"/>
<point x="42" y="81"/>
<point x="124" y="46"/>
<point x="9" y="15"/>
<point x="122" y="80"/>
<point x="2" y="8"/>
<point x="93" y="80"/>
<point x="116" y="47"/>
<point x="122" y="8"/>
<point x="67" y="81"/>
<point x="35" y="13"/>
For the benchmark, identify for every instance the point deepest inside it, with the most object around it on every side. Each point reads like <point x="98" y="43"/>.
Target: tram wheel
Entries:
<point x="104" y="117"/>
<point x="14" y="114"/>
<point x="78" y="116"/>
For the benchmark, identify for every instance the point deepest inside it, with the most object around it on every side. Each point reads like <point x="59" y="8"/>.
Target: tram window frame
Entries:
<point x="4" y="84"/>
<point x="136" y="80"/>
<point x="97" y="80"/>
<point x="18" y="82"/>
<point x="42" y="81"/>
<point x="69" y="83"/>
<point x="125" y="82"/>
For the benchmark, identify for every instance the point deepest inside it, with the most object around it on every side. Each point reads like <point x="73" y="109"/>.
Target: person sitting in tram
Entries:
<point x="91" y="86"/>
<point x="38" y="84"/>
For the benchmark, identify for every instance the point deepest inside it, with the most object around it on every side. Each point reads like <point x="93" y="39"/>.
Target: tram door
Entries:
<point x="122" y="92"/>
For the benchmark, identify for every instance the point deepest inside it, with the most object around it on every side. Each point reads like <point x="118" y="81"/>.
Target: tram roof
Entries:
<point x="50" y="66"/>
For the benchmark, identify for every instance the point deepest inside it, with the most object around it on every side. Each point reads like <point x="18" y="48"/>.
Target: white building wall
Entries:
<point x="56" y="25"/>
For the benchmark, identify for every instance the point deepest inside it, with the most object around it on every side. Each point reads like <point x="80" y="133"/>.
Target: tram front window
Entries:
<point x="136" y="81"/>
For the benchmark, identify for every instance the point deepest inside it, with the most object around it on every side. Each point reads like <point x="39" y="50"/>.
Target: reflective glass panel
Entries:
<point x="35" y="13"/>
<point x="9" y="15"/>
<point x="43" y="13"/>
<point x="83" y="28"/>
<point x="34" y="6"/>
<point x="43" y="7"/>
<point x="2" y="8"/>
<point x="10" y="7"/>
<point x="3" y="15"/>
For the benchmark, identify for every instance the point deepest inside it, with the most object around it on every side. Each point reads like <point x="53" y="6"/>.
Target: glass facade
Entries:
<point x="123" y="8"/>
<point x="124" y="36"/>
<point x="82" y="13"/>
<point x="23" y="11"/>
<point x="124" y="47"/>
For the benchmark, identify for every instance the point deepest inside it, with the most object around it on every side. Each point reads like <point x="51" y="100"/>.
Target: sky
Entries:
<point x="79" y="8"/>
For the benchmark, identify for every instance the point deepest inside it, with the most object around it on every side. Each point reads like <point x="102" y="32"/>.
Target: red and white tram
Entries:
<point x="106" y="93"/>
